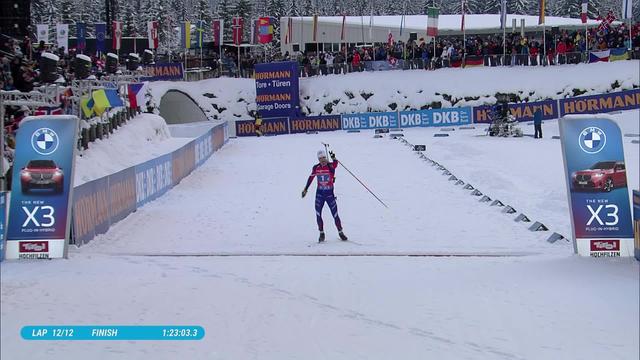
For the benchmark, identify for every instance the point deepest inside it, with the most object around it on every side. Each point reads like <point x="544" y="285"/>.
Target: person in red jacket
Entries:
<point x="356" y="60"/>
<point x="325" y="172"/>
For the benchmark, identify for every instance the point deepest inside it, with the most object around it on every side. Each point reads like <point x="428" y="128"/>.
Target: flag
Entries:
<point x="117" y="35"/>
<point x="390" y="39"/>
<point x="541" y="16"/>
<point x="583" y="14"/>
<point x="432" y="23"/>
<point x="237" y="23"/>
<point x="152" y="34"/>
<point x="627" y="7"/>
<point x="48" y="110"/>
<point x="101" y="31"/>
<point x="606" y="22"/>
<point x="503" y="14"/>
<point x="136" y="95"/>
<point x="114" y="99"/>
<point x="596" y="56"/>
<point x="342" y="33"/>
<point x="62" y="36"/>
<point x="200" y="30"/>
<point x="473" y="61"/>
<point x="288" y="38"/>
<point x="218" y="27"/>
<point x="43" y="32"/>
<point x="371" y="25"/>
<point x="618" y="54"/>
<point x="265" y="33"/>
<point x="254" y="31"/>
<point x="315" y="28"/>
<point x="81" y="35"/>
<point x="462" y="22"/>
<point x="185" y="34"/>
<point x="100" y="101"/>
<point x="86" y="104"/>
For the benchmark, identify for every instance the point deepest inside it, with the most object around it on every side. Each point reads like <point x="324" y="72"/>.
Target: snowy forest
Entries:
<point x="135" y="13"/>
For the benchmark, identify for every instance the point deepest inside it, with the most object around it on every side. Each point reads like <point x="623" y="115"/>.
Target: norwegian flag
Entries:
<point x="152" y="34"/>
<point x="583" y="14"/>
<point x="48" y="110"/>
<point x="606" y="22"/>
<point x="117" y="35"/>
<point x="236" y="25"/>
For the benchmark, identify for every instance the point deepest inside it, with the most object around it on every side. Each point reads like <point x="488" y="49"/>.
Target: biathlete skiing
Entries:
<point x="325" y="172"/>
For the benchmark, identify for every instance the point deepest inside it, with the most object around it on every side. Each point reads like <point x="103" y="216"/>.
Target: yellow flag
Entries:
<point x="87" y="106"/>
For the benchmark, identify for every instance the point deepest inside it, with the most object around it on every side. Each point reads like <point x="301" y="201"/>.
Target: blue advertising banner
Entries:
<point x="370" y="120"/>
<point x="101" y="34"/>
<point x="3" y="218"/>
<point x="203" y="148"/>
<point x="436" y="117"/>
<point x="278" y="126"/>
<point x="521" y="111"/>
<point x="315" y="123"/>
<point x="596" y="178"/>
<point x="277" y="89"/>
<point x="636" y="223"/>
<point x="39" y="215"/>
<point x="601" y="103"/>
<point x="153" y="179"/>
<point x="166" y="71"/>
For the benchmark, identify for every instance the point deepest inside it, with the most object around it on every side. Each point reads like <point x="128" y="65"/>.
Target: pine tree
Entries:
<point x="203" y="12"/>
<point x="66" y="14"/>
<point x="130" y="18"/>
<point x="307" y="8"/>
<point x="224" y="12"/>
<point x="243" y="10"/>
<point x="485" y="6"/>
<point x="292" y="9"/>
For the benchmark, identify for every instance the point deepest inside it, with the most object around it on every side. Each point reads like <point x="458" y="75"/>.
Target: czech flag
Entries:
<point x="596" y="56"/>
<point x="136" y="95"/>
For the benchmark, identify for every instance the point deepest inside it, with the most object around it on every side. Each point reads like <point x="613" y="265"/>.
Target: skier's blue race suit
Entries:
<point x="324" y="192"/>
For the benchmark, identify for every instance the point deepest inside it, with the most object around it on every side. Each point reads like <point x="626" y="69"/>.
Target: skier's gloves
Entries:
<point x="332" y="154"/>
<point x="304" y="193"/>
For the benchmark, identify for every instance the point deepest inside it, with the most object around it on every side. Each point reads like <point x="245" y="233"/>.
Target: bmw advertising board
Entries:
<point x="39" y="215"/>
<point x="596" y="179"/>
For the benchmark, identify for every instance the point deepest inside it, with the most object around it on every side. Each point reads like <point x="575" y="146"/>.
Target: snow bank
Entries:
<point x="234" y="99"/>
<point x="144" y="137"/>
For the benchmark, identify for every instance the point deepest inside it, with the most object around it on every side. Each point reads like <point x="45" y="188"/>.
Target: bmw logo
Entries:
<point x="45" y="141"/>
<point x="592" y="140"/>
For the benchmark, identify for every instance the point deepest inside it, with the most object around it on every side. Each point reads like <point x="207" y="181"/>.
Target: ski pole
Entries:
<point x="361" y="183"/>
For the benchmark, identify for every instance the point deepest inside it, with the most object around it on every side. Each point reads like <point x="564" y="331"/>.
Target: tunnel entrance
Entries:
<point x="177" y="107"/>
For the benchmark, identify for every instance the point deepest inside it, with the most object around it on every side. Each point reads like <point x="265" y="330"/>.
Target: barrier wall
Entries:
<point x="551" y="109"/>
<point x="100" y="203"/>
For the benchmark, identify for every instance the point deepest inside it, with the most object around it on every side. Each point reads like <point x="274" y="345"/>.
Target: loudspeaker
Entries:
<point x="48" y="67"/>
<point x="112" y="63"/>
<point x="147" y="57"/>
<point x="82" y="66"/>
<point x="133" y="62"/>
<point x="15" y="17"/>
<point x="413" y="36"/>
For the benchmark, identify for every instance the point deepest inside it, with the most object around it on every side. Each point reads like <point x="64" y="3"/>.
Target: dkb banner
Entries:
<point x="521" y="111"/>
<point x="42" y="184"/>
<point x="597" y="186"/>
<point x="435" y="117"/>
<point x="370" y="120"/>
<point x="315" y="123"/>
<point x="277" y="93"/>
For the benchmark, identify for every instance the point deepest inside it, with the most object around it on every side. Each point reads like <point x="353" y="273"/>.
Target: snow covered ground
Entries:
<point x="519" y="297"/>
<point x="234" y="99"/>
<point x="143" y="138"/>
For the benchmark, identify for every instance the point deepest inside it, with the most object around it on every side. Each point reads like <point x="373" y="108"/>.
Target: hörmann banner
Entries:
<point x="435" y="117"/>
<point x="377" y="120"/>
<point x="521" y="111"/>
<point x="277" y="92"/>
<point x="40" y="211"/>
<point x="596" y="178"/>
<point x="315" y="123"/>
<point x="163" y="71"/>
<point x="601" y="103"/>
<point x="277" y="126"/>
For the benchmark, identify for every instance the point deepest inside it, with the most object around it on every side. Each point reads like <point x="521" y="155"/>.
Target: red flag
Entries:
<point x="237" y="24"/>
<point x="315" y="27"/>
<point x="289" y="37"/>
<point x="152" y="34"/>
<point x="217" y="32"/>
<point x="117" y="35"/>
<point x="342" y="34"/>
